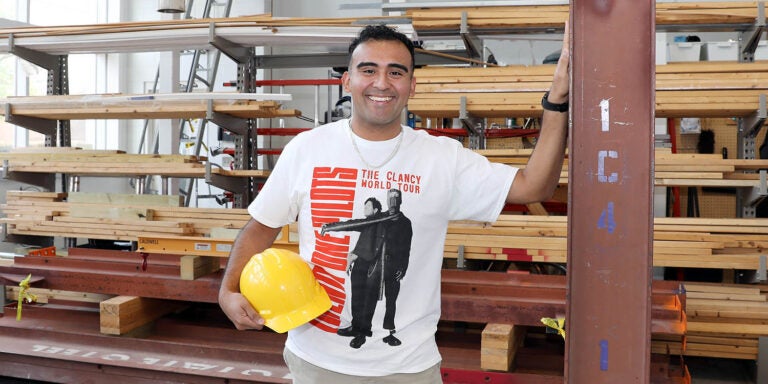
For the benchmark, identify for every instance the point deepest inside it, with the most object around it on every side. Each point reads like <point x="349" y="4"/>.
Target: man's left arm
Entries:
<point x="540" y="177"/>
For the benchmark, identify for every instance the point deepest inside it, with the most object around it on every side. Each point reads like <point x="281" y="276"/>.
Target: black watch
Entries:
<point x="552" y="106"/>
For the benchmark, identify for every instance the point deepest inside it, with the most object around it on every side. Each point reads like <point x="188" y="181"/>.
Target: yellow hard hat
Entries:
<point x="280" y="285"/>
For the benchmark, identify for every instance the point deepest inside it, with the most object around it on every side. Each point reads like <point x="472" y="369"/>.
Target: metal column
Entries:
<point x="610" y="205"/>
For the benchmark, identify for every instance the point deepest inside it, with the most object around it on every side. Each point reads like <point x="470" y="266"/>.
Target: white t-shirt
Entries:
<point x="320" y="178"/>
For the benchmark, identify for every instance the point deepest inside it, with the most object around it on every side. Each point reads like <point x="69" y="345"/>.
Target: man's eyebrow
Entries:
<point x="400" y="66"/>
<point x="372" y="64"/>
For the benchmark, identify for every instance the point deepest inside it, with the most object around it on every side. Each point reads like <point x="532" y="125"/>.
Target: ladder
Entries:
<point x="199" y="77"/>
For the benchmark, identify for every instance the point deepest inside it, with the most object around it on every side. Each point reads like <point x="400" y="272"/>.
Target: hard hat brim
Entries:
<point x="300" y="316"/>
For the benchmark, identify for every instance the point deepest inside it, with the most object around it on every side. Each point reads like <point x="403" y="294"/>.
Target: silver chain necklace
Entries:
<point x="360" y="154"/>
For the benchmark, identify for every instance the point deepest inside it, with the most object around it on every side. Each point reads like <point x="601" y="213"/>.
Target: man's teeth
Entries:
<point x="378" y="98"/>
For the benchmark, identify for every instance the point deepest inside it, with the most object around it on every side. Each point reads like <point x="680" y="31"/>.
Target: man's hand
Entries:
<point x="239" y="311"/>
<point x="350" y="261"/>
<point x="559" y="91"/>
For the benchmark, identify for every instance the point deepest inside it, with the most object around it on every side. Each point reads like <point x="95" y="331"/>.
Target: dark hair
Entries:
<point x="381" y="32"/>
<point x="374" y="203"/>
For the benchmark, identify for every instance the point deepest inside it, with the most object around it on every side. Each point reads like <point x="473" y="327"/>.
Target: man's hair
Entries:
<point x="375" y="203"/>
<point x="381" y="32"/>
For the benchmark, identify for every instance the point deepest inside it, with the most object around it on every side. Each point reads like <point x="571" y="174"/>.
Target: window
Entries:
<point x="87" y="72"/>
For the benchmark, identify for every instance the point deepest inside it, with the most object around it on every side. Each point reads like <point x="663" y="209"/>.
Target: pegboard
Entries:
<point x="714" y="202"/>
<point x="726" y="136"/>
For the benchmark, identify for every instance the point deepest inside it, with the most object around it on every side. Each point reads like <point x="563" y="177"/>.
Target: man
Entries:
<point x="317" y="179"/>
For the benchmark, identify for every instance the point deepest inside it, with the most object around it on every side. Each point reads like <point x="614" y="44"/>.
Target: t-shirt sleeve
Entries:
<point x="481" y="187"/>
<point x="276" y="204"/>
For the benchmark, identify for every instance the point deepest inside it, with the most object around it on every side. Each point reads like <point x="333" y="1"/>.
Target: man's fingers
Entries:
<point x="250" y="319"/>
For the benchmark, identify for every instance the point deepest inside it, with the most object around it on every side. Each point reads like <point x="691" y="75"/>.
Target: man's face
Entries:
<point x="393" y="199"/>
<point x="380" y="80"/>
<point x="368" y="209"/>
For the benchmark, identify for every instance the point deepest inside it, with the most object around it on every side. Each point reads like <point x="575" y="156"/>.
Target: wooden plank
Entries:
<point x="193" y="267"/>
<point x="125" y="199"/>
<point x="126" y="213"/>
<point x="44" y="295"/>
<point x="122" y="314"/>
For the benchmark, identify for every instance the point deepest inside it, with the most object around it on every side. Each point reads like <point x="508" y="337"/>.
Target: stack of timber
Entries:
<point x="167" y="35"/>
<point x="262" y="20"/>
<point x="148" y="106"/>
<point x="101" y="162"/>
<point x="111" y="216"/>
<point x="670" y="169"/>
<point x="677" y="242"/>
<point x="682" y="89"/>
<point x="115" y="163"/>
<point x="724" y="321"/>
<point x="545" y="17"/>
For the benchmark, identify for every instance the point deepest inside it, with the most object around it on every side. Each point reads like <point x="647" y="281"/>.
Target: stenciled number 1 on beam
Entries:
<point x="606" y="220"/>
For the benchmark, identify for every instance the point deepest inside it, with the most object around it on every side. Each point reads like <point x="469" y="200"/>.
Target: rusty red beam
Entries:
<point x="610" y="203"/>
<point x="60" y="344"/>
<point x="67" y="343"/>
<point x="471" y="296"/>
<point x="487" y="297"/>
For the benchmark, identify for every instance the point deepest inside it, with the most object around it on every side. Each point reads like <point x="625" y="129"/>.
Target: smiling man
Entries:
<point x="326" y="175"/>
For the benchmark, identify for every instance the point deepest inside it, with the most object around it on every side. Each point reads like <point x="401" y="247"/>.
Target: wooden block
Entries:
<point x="193" y="267"/>
<point x="123" y="314"/>
<point x="498" y="346"/>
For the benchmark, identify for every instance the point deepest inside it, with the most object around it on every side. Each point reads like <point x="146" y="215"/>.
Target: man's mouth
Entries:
<point x="380" y="98"/>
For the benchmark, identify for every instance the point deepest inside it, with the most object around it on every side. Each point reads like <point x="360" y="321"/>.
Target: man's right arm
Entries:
<point x="252" y="239"/>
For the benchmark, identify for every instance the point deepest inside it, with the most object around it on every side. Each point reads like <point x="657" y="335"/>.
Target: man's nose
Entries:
<point x="381" y="81"/>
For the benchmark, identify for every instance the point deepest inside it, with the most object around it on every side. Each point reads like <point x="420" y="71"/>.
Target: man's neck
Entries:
<point x="375" y="133"/>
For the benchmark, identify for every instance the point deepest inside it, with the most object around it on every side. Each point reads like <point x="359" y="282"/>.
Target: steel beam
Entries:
<point x="62" y="344"/>
<point x="610" y="192"/>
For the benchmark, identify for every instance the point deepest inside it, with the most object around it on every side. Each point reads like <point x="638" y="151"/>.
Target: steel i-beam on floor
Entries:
<point x="610" y="191"/>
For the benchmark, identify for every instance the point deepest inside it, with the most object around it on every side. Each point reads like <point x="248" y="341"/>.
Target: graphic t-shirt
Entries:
<point x="324" y="179"/>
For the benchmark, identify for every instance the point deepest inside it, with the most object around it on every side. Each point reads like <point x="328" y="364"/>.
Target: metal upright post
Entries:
<point x="610" y="205"/>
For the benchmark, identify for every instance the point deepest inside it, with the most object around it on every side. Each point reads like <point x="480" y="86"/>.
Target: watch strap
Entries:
<point x="552" y="106"/>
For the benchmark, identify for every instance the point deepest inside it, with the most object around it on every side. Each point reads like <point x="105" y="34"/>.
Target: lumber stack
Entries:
<point x="724" y="321"/>
<point x="262" y="20"/>
<point x="677" y="242"/>
<point x="115" y="163"/>
<point x="102" y="163"/>
<point x="670" y="169"/>
<point x="682" y="89"/>
<point x="554" y="16"/>
<point x="157" y="106"/>
<point x="49" y="214"/>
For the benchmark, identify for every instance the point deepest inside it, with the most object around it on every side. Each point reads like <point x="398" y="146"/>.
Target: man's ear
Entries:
<point x="345" y="81"/>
